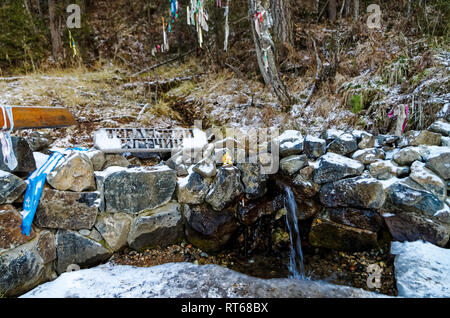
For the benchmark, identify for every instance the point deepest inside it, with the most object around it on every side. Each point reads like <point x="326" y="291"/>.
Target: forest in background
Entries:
<point x="324" y="53"/>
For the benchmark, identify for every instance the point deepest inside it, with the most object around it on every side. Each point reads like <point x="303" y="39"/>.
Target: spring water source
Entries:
<point x="296" y="267"/>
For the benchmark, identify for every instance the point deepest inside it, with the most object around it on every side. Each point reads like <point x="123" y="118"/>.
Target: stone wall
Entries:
<point x="350" y="185"/>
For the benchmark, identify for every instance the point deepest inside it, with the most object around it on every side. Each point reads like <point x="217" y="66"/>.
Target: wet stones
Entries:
<point x="74" y="173"/>
<point x="138" y="189"/>
<point x="253" y="180"/>
<point x="226" y="188"/>
<point x="157" y="228"/>
<point x="208" y="229"/>
<point x="67" y="210"/>
<point x="332" y="167"/>
<point x="412" y="227"/>
<point x="329" y="234"/>
<point x="363" y="219"/>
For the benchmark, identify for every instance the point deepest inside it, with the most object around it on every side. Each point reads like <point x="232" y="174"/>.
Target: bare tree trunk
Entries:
<point x="27" y="8"/>
<point x="265" y="49"/>
<point x="57" y="47"/>
<point x="356" y="10"/>
<point x="283" y="28"/>
<point x="332" y="10"/>
<point x="346" y="8"/>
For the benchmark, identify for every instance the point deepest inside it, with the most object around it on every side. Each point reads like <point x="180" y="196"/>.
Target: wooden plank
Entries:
<point x="34" y="117"/>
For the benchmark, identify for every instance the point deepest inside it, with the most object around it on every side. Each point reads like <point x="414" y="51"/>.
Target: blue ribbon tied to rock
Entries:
<point x="35" y="184"/>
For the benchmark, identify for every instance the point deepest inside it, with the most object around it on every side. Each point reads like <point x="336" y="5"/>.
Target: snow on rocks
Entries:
<point x="421" y="269"/>
<point x="385" y="169"/>
<point x="441" y="127"/>
<point x="332" y="167"/>
<point x="427" y="179"/>
<point x="369" y="155"/>
<point x="137" y="189"/>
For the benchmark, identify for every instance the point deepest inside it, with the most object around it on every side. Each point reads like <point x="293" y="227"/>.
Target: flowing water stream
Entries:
<point x="296" y="267"/>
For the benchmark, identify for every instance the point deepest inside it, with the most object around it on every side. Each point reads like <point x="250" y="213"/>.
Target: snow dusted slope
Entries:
<point x="182" y="280"/>
<point x="421" y="269"/>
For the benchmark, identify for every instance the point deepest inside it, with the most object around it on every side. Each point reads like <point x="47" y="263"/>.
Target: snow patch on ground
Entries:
<point x="421" y="269"/>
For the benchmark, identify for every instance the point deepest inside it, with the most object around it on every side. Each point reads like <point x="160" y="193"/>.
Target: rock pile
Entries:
<point x="350" y="185"/>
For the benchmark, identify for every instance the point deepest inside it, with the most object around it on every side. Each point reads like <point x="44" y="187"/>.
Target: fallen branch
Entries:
<point x="163" y="63"/>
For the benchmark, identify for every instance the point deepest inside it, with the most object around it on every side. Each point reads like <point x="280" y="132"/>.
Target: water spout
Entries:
<point x="296" y="267"/>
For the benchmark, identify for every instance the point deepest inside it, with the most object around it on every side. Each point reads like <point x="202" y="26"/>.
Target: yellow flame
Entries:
<point x="226" y="159"/>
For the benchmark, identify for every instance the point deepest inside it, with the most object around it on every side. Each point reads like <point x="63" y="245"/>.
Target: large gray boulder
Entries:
<point x="74" y="173"/>
<point x="343" y="144"/>
<point x="28" y="265"/>
<point x="138" y="189"/>
<point x="24" y="155"/>
<point x="412" y="227"/>
<point x="67" y="210"/>
<point x="359" y="192"/>
<point x="184" y="280"/>
<point x="11" y="187"/>
<point x="226" y="188"/>
<point x="421" y="269"/>
<point x="74" y="248"/>
<point x="160" y="227"/>
<point x="412" y="213"/>
<point x="114" y="229"/>
<point x="332" y="167"/>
